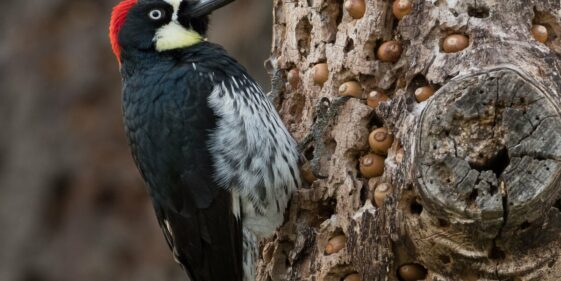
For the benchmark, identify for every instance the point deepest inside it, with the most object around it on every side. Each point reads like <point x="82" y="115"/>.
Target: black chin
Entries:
<point x="200" y="24"/>
<point x="189" y="20"/>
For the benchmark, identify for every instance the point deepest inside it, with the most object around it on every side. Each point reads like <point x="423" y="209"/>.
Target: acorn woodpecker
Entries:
<point x="218" y="163"/>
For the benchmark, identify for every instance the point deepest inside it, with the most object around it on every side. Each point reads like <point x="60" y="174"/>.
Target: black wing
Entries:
<point x="168" y="133"/>
<point x="202" y="240"/>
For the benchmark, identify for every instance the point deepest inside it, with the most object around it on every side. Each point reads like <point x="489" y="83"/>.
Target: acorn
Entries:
<point x="390" y="51"/>
<point x="350" y="89"/>
<point x="380" y="141"/>
<point x="401" y="8"/>
<point x="455" y="43"/>
<point x="540" y="33"/>
<point x="375" y="98"/>
<point x="412" y="272"/>
<point x="335" y="244"/>
<point x="423" y="93"/>
<point x="372" y="165"/>
<point x="321" y="73"/>
<point x="293" y="78"/>
<point x="381" y="192"/>
<point x="307" y="174"/>
<point x="352" y="277"/>
<point x="355" y="8"/>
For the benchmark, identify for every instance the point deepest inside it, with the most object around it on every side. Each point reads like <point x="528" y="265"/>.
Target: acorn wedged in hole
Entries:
<point x="412" y="272"/>
<point x="321" y="73"/>
<point x="423" y="93"/>
<point x="355" y="8"/>
<point x="375" y="98"/>
<point x="390" y="51"/>
<point x="335" y="244"/>
<point x="306" y="172"/>
<point x="401" y="8"/>
<point x="380" y="140"/>
<point x="352" y="277"/>
<point x="372" y="165"/>
<point x="350" y="89"/>
<point x="540" y="33"/>
<point x="455" y="43"/>
<point x="381" y="192"/>
<point x="293" y="78"/>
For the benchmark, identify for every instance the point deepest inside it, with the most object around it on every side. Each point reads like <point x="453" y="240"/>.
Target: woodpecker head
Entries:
<point x="159" y="25"/>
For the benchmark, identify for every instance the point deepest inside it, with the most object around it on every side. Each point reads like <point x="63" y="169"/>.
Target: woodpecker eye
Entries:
<point x="156" y="14"/>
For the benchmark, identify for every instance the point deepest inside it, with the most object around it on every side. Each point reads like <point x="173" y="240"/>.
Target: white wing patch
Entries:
<point x="254" y="154"/>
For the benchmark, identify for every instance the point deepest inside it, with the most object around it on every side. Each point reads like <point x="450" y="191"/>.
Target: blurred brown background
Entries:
<point x="72" y="205"/>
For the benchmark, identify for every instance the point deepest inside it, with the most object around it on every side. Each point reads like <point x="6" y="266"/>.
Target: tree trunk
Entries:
<point x="475" y="169"/>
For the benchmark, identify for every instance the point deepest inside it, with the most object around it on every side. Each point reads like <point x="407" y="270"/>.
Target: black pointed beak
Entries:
<point x="199" y="8"/>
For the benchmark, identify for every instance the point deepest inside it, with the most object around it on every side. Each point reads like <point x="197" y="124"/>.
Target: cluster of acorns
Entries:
<point x="380" y="140"/>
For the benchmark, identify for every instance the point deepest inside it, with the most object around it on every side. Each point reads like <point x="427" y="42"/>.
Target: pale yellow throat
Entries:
<point x="175" y="36"/>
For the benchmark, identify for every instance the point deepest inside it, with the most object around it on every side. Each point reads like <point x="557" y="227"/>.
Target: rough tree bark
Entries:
<point x="475" y="169"/>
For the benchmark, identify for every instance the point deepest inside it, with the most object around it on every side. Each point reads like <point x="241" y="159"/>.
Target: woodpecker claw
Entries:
<point x="326" y="111"/>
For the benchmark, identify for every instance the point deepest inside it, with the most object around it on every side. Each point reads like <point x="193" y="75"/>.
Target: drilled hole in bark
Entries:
<point x="444" y="259"/>
<point x="349" y="46"/>
<point x="443" y="223"/>
<point x="497" y="253"/>
<point x="478" y="11"/>
<point x="493" y="189"/>
<point x="473" y="196"/>
<point x="375" y="121"/>
<point x="326" y="209"/>
<point x="557" y="205"/>
<point x="416" y="208"/>
<point x="525" y="225"/>
<point x="303" y="36"/>
<point x="417" y="82"/>
<point x="339" y="6"/>
<point x="364" y="194"/>
<point x="497" y="164"/>
<point x="309" y="153"/>
<point x="310" y="3"/>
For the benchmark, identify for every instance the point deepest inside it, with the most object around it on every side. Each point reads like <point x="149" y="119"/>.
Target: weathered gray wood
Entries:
<point x="487" y="160"/>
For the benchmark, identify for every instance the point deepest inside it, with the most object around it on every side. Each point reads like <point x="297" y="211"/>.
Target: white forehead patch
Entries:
<point x="175" y="4"/>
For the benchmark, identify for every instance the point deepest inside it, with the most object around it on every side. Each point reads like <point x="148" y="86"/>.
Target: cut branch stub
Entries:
<point x="488" y="140"/>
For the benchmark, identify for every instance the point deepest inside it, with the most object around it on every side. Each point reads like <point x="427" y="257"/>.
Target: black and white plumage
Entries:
<point x="218" y="162"/>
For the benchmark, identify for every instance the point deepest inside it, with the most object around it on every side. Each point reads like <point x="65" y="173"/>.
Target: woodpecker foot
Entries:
<point x="326" y="112"/>
<point x="277" y="82"/>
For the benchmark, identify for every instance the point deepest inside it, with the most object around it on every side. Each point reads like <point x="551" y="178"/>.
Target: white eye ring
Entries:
<point x="156" y="14"/>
